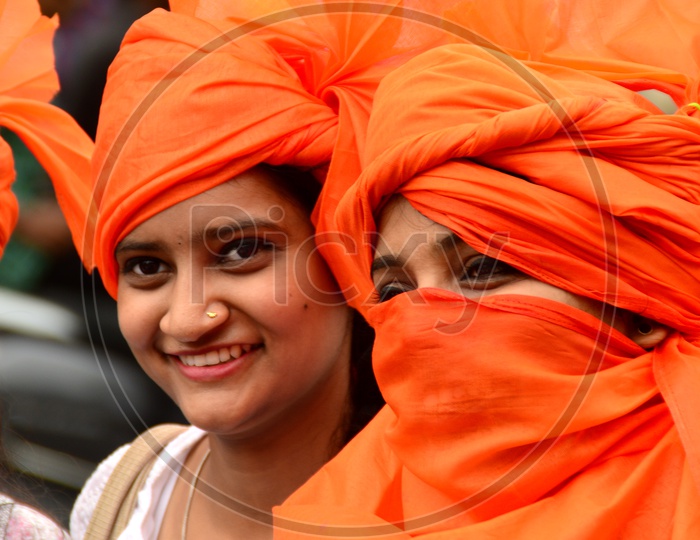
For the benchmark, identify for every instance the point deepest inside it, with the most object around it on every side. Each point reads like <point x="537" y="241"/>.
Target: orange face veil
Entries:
<point x="581" y="184"/>
<point x="27" y="82"/>
<point x="203" y="93"/>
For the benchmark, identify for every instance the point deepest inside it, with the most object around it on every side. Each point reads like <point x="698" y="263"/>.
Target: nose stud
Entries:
<point x="212" y="314"/>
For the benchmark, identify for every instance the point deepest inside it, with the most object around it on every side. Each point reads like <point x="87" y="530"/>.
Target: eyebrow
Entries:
<point x="449" y="242"/>
<point x="385" y="261"/>
<point x="127" y="245"/>
<point x="213" y="232"/>
<point x="210" y="233"/>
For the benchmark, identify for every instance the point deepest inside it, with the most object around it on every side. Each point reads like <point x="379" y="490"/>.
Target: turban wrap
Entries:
<point x="198" y="95"/>
<point x="642" y="44"/>
<point x="515" y="416"/>
<point x="27" y="82"/>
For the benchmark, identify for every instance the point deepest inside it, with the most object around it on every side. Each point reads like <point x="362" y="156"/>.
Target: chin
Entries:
<point x="213" y="422"/>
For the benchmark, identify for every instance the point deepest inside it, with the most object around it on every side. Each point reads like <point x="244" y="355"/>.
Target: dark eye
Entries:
<point x="389" y="291"/>
<point x="245" y="248"/>
<point x="486" y="272"/>
<point x="144" y="266"/>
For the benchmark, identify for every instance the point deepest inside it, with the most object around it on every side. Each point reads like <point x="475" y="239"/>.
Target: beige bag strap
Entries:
<point x="129" y="502"/>
<point x="118" y="499"/>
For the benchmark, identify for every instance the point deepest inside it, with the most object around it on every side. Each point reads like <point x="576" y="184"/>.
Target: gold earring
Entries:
<point x="212" y="314"/>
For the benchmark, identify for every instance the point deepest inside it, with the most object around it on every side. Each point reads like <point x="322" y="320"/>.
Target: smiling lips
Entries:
<point x="213" y="358"/>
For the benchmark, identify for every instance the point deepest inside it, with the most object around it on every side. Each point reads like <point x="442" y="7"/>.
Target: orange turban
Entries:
<point x="642" y="44"/>
<point x="27" y="82"/>
<point x="203" y="93"/>
<point x="519" y="417"/>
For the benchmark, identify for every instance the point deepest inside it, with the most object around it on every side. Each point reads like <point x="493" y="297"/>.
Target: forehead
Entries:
<point x="402" y="226"/>
<point x="253" y="197"/>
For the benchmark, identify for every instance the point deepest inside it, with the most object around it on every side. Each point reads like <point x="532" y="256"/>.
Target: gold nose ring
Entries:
<point x="212" y="314"/>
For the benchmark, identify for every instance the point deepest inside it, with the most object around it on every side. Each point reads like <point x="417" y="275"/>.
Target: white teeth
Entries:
<point x="213" y="358"/>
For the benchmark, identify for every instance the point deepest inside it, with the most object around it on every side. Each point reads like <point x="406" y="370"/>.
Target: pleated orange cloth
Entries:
<point x="28" y="81"/>
<point x="519" y="417"/>
<point x="643" y="44"/>
<point x="200" y="94"/>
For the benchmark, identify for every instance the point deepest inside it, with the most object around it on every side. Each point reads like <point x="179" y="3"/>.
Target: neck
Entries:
<point x="250" y="471"/>
<point x="263" y="472"/>
<point x="263" y="469"/>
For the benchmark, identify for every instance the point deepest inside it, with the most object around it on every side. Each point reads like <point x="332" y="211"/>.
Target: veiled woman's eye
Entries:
<point x="485" y="272"/>
<point x="391" y="290"/>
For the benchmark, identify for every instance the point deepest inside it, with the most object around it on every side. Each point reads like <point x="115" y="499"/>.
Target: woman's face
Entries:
<point x="227" y="306"/>
<point x="414" y="252"/>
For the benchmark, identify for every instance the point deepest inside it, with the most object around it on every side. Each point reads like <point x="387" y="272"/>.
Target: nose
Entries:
<point x="189" y="318"/>
<point x="440" y="280"/>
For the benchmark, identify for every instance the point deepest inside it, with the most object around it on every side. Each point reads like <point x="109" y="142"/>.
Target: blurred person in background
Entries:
<point x="27" y="83"/>
<point x="40" y="258"/>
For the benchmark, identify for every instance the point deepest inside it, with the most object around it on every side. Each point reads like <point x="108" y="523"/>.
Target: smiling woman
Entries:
<point x="231" y="310"/>
<point x="276" y="353"/>
<point x="210" y="153"/>
<point x="228" y="306"/>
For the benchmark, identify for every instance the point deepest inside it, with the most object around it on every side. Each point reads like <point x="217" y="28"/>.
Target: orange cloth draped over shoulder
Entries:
<point x="28" y="81"/>
<point x="515" y="416"/>
<point x="198" y="95"/>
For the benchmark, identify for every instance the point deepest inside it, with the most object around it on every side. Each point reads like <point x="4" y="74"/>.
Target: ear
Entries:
<point x="647" y="333"/>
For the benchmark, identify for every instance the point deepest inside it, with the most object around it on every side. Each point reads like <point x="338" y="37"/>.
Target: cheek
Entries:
<point x="619" y="319"/>
<point x="321" y="338"/>
<point x="312" y="320"/>
<point x="592" y="307"/>
<point x="136" y="321"/>
<point x="314" y="281"/>
<point x="588" y="305"/>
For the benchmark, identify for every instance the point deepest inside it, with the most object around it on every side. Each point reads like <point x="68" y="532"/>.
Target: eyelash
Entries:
<point x="226" y="256"/>
<point x="130" y="267"/>
<point x="258" y="246"/>
<point x="495" y="269"/>
<point x="389" y="291"/>
<point x="489" y="273"/>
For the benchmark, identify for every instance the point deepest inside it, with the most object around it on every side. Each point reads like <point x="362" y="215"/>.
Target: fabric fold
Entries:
<point x="643" y="44"/>
<point x="28" y="81"/>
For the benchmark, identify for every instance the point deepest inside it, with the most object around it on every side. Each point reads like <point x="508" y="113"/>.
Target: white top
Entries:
<point x="21" y="522"/>
<point x="152" y="499"/>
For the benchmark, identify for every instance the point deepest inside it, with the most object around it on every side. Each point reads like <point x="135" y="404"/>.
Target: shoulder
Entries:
<point x="22" y="522"/>
<point x="87" y="501"/>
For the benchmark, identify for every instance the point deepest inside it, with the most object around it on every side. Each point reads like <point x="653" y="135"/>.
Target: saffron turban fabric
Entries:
<point x="516" y="416"/>
<point x="200" y="94"/>
<point x="28" y="81"/>
<point x="641" y="44"/>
